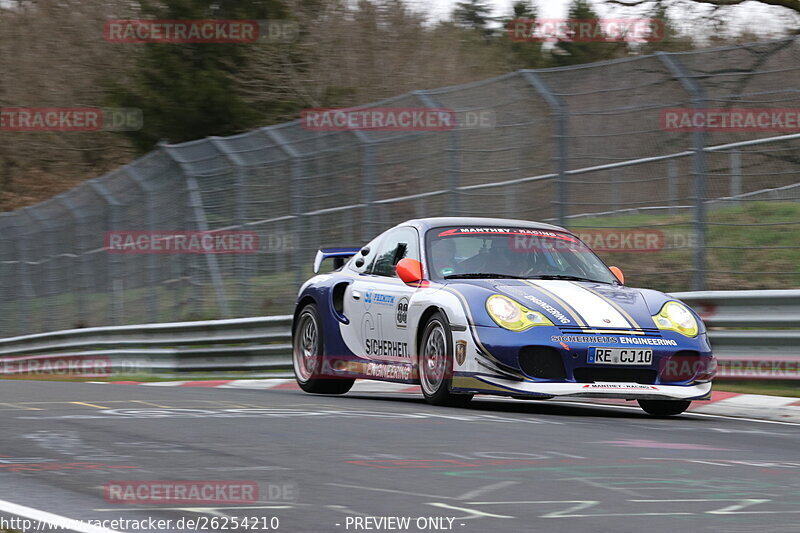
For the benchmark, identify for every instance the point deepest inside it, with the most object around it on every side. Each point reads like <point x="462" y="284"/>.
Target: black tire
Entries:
<point x="664" y="408"/>
<point x="307" y="355"/>
<point x="436" y="364"/>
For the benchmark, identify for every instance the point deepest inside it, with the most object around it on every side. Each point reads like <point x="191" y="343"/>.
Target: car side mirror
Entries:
<point x="618" y="273"/>
<point x="409" y="270"/>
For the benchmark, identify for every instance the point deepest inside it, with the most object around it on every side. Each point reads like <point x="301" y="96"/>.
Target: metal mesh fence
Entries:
<point x="581" y="146"/>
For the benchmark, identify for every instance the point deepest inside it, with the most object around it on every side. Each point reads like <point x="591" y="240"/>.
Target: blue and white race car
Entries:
<point x="465" y="306"/>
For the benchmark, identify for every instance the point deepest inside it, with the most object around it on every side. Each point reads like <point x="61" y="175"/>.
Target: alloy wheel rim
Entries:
<point x="306" y="347"/>
<point x="434" y="359"/>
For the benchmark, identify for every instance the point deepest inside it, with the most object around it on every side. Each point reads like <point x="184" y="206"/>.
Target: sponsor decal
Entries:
<point x="461" y="352"/>
<point x="555" y="313"/>
<point x="584" y="339"/>
<point x="386" y="347"/>
<point x="613" y="340"/>
<point x="401" y="313"/>
<point x="388" y="370"/>
<point x="378" y="298"/>
<point x="505" y="231"/>
<point x="619" y="386"/>
<point x="648" y="341"/>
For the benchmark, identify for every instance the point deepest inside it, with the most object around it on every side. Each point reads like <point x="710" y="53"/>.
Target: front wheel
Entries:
<point x="664" y="407"/>
<point x="307" y="356"/>
<point x="436" y="364"/>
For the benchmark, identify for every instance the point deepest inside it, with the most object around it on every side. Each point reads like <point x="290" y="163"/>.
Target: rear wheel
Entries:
<point x="436" y="364"/>
<point x="307" y="356"/>
<point x="664" y="407"/>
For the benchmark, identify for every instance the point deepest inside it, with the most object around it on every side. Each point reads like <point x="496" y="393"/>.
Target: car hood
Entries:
<point x="571" y="303"/>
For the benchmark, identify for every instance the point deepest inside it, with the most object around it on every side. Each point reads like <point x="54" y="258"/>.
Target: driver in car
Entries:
<point x="443" y="257"/>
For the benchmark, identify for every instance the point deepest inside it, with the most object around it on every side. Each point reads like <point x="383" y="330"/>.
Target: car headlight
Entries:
<point x="512" y="316"/>
<point x="675" y="316"/>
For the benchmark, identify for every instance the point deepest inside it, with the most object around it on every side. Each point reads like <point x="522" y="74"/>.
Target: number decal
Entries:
<point x="401" y="313"/>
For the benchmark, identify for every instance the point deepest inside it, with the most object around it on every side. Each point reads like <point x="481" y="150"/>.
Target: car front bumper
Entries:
<point x="482" y="383"/>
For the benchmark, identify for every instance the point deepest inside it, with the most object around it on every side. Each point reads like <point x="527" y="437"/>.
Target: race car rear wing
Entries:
<point x="340" y="255"/>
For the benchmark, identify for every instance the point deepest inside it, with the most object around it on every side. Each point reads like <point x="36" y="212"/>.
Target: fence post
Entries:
<point x="297" y="206"/>
<point x="81" y="286"/>
<point x="196" y="204"/>
<point x="672" y="185"/>
<point x="454" y="160"/>
<point x="24" y="292"/>
<point x="736" y="173"/>
<point x="150" y="224"/>
<point x="368" y="184"/>
<point x="561" y="112"/>
<point x="45" y="260"/>
<point x="113" y="259"/>
<point x="698" y="98"/>
<point x="240" y="259"/>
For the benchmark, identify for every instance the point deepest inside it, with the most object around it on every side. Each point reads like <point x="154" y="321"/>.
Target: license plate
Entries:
<point x="620" y="356"/>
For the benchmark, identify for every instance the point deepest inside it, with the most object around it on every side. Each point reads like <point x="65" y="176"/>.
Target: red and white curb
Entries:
<point x="776" y="408"/>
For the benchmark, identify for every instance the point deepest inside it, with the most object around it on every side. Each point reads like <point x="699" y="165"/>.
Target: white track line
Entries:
<point x="687" y="413"/>
<point x="47" y="520"/>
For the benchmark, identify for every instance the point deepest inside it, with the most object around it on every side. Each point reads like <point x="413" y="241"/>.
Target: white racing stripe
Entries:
<point x="593" y="309"/>
<point x="47" y="520"/>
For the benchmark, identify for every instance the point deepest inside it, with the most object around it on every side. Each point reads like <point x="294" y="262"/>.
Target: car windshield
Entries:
<point x="524" y="253"/>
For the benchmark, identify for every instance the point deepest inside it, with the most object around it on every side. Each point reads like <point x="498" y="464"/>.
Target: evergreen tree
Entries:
<point x="523" y="54"/>
<point x="187" y="91"/>
<point x="671" y="40"/>
<point x="473" y="14"/>
<point x="568" y="52"/>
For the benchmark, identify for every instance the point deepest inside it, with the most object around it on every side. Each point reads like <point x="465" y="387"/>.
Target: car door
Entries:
<point x="353" y="305"/>
<point x="385" y="331"/>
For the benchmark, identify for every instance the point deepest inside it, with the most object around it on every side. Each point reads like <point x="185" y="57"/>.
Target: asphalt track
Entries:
<point x="323" y="462"/>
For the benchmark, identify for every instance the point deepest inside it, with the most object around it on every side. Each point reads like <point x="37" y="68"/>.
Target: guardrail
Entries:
<point x="263" y="344"/>
<point x="244" y="344"/>
<point x="754" y="352"/>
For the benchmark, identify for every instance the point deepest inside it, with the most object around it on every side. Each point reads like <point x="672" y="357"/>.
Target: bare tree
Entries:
<point x="720" y="8"/>
<point x="53" y="54"/>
